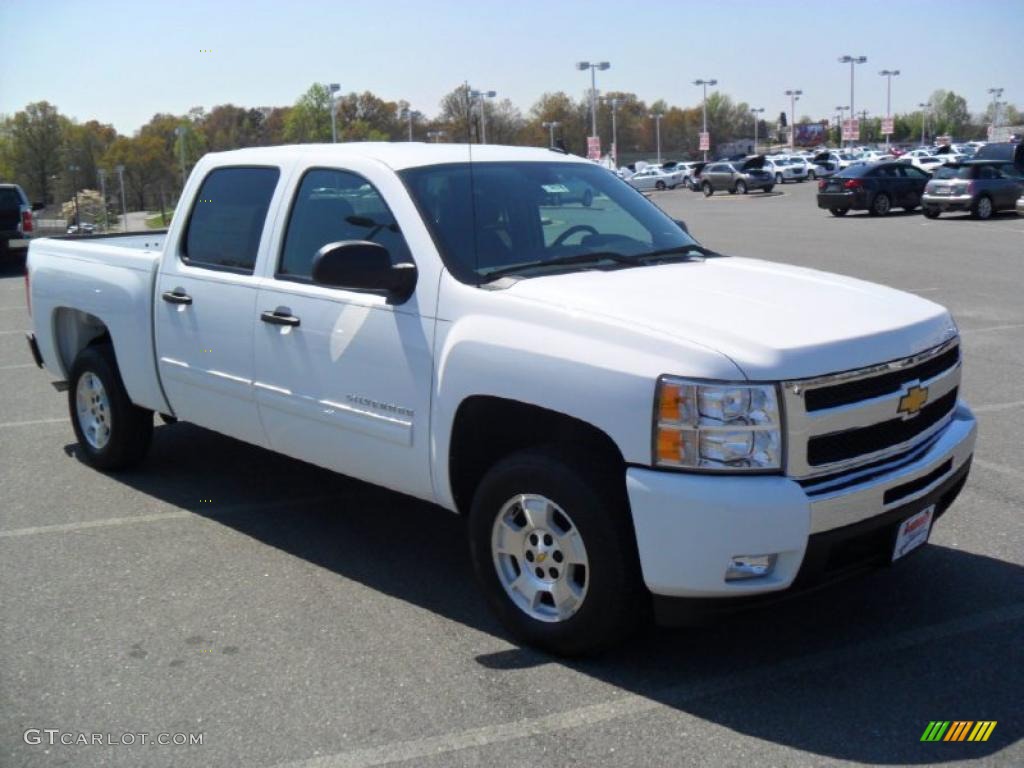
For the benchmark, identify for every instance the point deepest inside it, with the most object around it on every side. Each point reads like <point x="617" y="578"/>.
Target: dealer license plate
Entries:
<point x="913" y="532"/>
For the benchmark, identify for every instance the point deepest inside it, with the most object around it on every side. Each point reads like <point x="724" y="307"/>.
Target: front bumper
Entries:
<point x="947" y="202"/>
<point x="690" y="526"/>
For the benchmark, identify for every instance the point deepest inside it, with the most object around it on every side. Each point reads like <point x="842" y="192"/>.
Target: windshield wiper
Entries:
<point x="679" y="250"/>
<point x="578" y="258"/>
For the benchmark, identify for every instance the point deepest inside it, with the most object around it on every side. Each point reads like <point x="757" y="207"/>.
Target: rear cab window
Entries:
<point x="228" y="214"/>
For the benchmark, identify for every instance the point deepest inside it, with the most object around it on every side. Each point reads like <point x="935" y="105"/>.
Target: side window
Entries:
<point x="913" y="173"/>
<point x="331" y="206"/>
<point x="988" y="172"/>
<point x="1010" y="171"/>
<point x="227" y="218"/>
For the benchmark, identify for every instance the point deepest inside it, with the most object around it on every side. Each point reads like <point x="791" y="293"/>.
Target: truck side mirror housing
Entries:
<point x="360" y="265"/>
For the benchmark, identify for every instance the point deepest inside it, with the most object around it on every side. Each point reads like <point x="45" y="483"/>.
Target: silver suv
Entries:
<point x="736" y="176"/>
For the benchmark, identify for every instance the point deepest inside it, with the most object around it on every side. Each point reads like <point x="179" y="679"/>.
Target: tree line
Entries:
<point x="52" y="155"/>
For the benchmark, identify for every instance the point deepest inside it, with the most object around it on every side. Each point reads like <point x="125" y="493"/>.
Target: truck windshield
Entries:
<point x="487" y="218"/>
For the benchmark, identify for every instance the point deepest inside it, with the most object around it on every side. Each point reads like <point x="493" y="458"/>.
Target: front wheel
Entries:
<point x="741" y="188"/>
<point x="812" y="175"/>
<point x="778" y="178"/>
<point x="931" y="212"/>
<point x="554" y="552"/>
<point x="706" y="187"/>
<point x="881" y="205"/>
<point x="769" y="188"/>
<point x="839" y="211"/>
<point x="982" y="208"/>
<point x="660" y="185"/>
<point x="112" y="432"/>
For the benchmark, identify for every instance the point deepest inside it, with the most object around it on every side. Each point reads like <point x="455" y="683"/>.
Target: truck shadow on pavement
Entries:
<point x="855" y="672"/>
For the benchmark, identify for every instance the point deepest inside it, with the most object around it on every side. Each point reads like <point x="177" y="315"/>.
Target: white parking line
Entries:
<point x="13" y="367"/>
<point x="9" y="333"/>
<point x="1010" y="327"/>
<point x="33" y="422"/>
<point x="993" y="407"/>
<point x="632" y="704"/>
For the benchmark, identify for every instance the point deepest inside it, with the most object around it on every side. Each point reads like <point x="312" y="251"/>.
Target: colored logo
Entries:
<point x="913" y="401"/>
<point x="959" y="730"/>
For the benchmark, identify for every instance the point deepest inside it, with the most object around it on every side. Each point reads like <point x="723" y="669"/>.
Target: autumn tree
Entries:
<point x="36" y="136"/>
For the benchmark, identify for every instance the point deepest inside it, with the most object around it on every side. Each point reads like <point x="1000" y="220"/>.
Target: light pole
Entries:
<point x="755" y="111"/>
<point x="793" y="96"/>
<point x="410" y="115"/>
<point x="124" y="205"/>
<point x="436" y="135"/>
<point x="585" y="65"/>
<point x="481" y="98"/>
<point x="102" y="174"/>
<point x="925" y="106"/>
<point x="852" y="60"/>
<point x="656" y="116"/>
<point x="704" y="105"/>
<point x="332" y="89"/>
<point x="180" y="133"/>
<point x="74" y="183"/>
<point x="997" y="94"/>
<point x="888" y="74"/>
<point x="839" y="122"/>
<point x="614" y="104"/>
<point x="551" y="131"/>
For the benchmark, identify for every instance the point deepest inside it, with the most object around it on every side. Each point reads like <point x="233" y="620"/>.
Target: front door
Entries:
<point x="343" y="377"/>
<point x="205" y="304"/>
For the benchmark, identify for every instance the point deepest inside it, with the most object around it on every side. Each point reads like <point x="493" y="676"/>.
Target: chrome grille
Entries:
<point x="848" y="420"/>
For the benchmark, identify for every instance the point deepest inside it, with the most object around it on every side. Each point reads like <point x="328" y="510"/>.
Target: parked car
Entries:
<point x="1005" y="151"/>
<point x="696" y="173"/>
<point x="811" y="171"/>
<point x="785" y="169"/>
<point x="876" y="188"/>
<point x="736" y="177"/>
<point x="16" y="223"/>
<point x="569" y="190"/>
<point x="613" y="448"/>
<point x="926" y="163"/>
<point x="655" y="177"/>
<point x="979" y="186"/>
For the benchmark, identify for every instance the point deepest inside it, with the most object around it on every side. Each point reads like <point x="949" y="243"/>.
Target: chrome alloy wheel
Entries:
<point x="93" y="407"/>
<point x="540" y="558"/>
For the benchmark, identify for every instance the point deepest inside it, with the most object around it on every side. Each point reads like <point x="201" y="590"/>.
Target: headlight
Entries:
<point x="717" y="427"/>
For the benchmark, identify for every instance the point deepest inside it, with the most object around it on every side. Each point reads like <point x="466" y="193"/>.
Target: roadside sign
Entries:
<point x="851" y="130"/>
<point x="705" y="141"/>
<point x="887" y="126"/>
<point x="593" y="147"/>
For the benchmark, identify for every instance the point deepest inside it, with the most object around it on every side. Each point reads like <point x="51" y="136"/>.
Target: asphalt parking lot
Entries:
<point x="298" y="618"/>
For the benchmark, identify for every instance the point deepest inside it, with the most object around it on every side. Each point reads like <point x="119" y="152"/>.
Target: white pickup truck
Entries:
<point x="626" y="418"/>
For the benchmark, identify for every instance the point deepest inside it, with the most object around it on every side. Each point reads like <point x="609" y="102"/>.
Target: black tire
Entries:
<point x="768" y="189"/>
<point x="839" y="211"/>
<point x="779" y="179"/>
<point x="594" y="499"/>
<point x="909" y="208"/>
<point x="707" y="189"/>
<point x="982" y="208"/>
<point x="588" y="198"/>
<point x="131" y="427"/>
<point x="659" y="185"/>
<point x="880" y="205"/>
<point x="931" y="212"/>
<point x="812" y="175"/>
<point x="740" y="188"/>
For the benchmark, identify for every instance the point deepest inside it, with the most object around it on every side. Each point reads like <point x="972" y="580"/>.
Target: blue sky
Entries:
<point x="121" y="62"/>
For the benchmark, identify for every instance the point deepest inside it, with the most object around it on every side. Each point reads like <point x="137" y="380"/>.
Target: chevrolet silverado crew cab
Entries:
<point x="627" y="419"/>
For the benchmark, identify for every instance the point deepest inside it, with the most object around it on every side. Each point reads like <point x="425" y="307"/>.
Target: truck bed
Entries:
<point x="80" y="284"/>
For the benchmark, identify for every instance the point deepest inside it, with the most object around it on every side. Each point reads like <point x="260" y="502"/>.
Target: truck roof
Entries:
<point x="396" y="155"/>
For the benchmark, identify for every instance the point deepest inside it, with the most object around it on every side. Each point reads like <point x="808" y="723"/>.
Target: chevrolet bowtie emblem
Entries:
<point x="913" y="401"/>
<point x="541" y="557"/>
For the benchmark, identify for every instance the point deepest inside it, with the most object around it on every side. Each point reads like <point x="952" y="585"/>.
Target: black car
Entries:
<point x="15" y="215"/>
<point x="876" y="188"/>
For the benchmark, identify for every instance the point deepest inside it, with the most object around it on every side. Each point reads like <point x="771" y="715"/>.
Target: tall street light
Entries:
<point x="74" y="183"/>
<point x="997" y="93"/>
<point x="852" y="61"/>
<point x="332" y="89"/>
<point x="839" y="122"/>
<point x="614" y="104"/>
<point x="410" y="115"/>
<point x="704" y="104"/>
<point x="124" y="204"/>
<point x="756" y="111"/>
<point x="583" y="66"/>
<point x="656" y="116"/>
<point x="793" y="96"/>
<point x="551" y="131"/>
<point x="102" y="174"/>
<point x="888" y="74"/>
<point x="481" y="99"/>
<point x="925" y="106"/>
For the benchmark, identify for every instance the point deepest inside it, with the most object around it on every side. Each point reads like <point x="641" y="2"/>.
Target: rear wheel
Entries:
<point x="839" y="211"/>
<point x="659" y="185"/>
<point x="778" y="178"/>
<point x="112" y="432"/>
<point x="741" y="188"/>
<point x="982" y="208"/>
<point x="706" y="187"/>
<point x="769" y="188"/>
<point x="931" y="212"/>
<point x="881" y="205"/>
<point x="554" y="552"/>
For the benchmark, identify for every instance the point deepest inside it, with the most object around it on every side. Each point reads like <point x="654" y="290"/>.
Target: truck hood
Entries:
<point x="774" y="321"/>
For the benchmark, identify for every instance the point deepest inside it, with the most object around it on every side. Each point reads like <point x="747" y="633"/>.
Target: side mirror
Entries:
<point x="38" y="206"/>
<point x="682" y="225"/>
<point x="360" y="265"/>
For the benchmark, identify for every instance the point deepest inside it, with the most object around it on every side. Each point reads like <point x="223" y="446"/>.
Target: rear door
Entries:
<point x="344" y="381"/>
<point x="205" y="304"/>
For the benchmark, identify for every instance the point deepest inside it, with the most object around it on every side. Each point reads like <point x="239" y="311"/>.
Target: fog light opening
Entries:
<point x="751" y="567"/>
